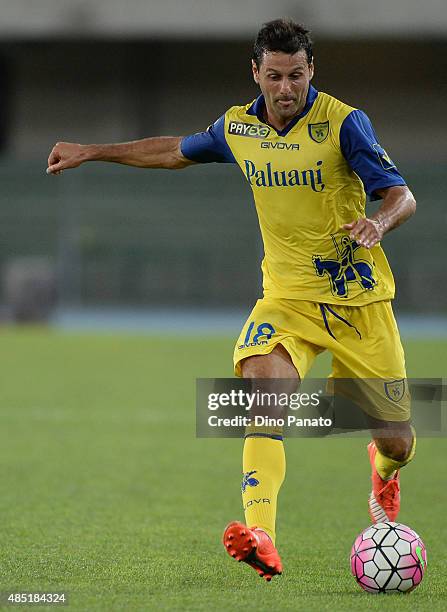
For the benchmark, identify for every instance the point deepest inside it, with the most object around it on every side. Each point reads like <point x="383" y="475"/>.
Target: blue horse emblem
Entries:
<point x="247" y="481"/>
<point x="345" y="269"/>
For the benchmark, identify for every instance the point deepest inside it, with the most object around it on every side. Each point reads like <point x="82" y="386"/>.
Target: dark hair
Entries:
<point x="282" y="35"/>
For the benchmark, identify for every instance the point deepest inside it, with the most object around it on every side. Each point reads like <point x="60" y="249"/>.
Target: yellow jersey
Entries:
<point x="308" y="180"/>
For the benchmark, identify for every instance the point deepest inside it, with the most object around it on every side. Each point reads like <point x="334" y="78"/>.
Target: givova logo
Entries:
<point x="260" y="500"/>
<point x="264" y="332"/>
<point x="282" y="146"/>
<point x="252" y="130"/>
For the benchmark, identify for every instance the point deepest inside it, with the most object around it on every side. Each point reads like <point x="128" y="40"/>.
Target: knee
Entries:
<point x="398" y="449"/>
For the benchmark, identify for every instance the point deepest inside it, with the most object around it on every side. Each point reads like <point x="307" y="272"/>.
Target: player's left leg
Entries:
<point x="393" y="446"/>
<point x="372" y="362"/>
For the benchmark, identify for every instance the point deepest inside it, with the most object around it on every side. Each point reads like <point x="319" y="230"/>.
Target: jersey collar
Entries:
<point x="258" y="106"/>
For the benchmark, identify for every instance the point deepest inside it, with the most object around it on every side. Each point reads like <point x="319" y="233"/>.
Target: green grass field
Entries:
<point x="107" y="494"/>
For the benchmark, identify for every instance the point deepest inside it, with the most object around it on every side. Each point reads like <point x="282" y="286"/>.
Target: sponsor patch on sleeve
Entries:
<point x="384" y="159"/>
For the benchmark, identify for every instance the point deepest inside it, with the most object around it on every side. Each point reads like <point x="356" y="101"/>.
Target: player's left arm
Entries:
<point x="398" y="205"/>
<point x="381" y="180"/>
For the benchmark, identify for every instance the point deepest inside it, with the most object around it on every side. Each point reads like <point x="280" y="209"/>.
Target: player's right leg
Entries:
<point x="263" y="468"/>
<point x="270" y="351"/>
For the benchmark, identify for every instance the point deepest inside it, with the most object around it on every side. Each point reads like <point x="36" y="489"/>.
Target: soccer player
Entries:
<point x="310" y="161"/>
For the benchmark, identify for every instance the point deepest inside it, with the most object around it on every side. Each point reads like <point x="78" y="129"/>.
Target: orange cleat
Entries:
<point x="254" y="547"/>
<point x="384" y="501"/>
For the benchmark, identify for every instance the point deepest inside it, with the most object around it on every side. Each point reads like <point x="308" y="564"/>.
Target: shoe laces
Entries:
<point x="389" y="493"/>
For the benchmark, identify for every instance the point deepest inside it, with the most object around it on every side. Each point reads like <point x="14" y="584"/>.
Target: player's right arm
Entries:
<point x="172" y="152"/>
<point x="161" y="152"/>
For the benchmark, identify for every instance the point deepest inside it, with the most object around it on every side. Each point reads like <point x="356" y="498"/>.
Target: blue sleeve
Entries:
<point x="365" y="156"/>
<point x="209" y="146"/>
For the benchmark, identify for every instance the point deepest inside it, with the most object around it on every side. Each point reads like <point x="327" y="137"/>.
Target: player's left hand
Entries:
<point x="366" y="232"/>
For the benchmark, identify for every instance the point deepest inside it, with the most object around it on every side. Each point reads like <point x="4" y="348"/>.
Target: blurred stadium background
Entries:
<point x="118" y="238"/>
<point x="97" y="431"/>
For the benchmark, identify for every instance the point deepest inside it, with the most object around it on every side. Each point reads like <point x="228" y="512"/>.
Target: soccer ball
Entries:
<point x="388" y="558"/>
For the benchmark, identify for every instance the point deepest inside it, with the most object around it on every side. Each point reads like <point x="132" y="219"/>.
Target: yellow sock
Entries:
<point x="386" y="467"/>
<point x="264" y="466"/>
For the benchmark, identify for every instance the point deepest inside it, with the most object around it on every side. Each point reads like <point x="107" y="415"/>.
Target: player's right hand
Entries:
<point x="65" y="155"/>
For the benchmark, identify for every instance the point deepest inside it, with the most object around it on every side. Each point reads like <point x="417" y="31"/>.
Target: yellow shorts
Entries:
<point x="364" y="342"/>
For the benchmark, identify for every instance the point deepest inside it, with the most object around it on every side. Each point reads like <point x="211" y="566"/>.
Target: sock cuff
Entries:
<point x="264" y="435"/>
<point x="270" y="431"/>
<point x="413" y="448"/>
<point x="386" y="464"/>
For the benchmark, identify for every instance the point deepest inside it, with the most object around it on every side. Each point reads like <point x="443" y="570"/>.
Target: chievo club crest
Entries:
<point x="319" y="131"/>
<point x="395" y="389"/>
<point x="346" y="268"/>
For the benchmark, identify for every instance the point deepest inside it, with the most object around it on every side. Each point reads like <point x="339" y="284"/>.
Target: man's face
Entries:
<point x="284" y="81"/>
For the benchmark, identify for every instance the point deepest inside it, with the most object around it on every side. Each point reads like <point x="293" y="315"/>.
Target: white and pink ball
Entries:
<point x="388" y="558"/>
